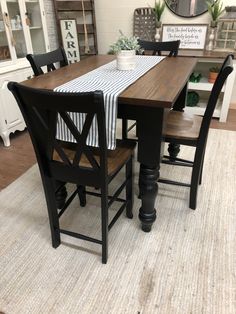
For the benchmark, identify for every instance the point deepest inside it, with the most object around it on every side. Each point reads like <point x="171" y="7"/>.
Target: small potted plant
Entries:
<point x="125" y="48"/>
<point x="213" y="73"/>
<point x="215" y="10"/>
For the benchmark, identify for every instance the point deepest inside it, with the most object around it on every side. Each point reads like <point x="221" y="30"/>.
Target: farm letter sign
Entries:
<point x="70" y="40"/>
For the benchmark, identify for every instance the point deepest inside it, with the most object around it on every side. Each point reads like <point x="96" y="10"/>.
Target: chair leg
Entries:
<point x="136" y="130"/>
<point x="193" y="195"/>
<point x="124" y="129"/>
<point x="82" y="195"/>
<point x="49" y="190"/>
<point x="173" y="150"/>
<point x="196" y="173"/>
<point x="200" y="179"/>
<point x="61" y="194"/>
<point x="104" y="215"/>
<point x="129" y="188"/>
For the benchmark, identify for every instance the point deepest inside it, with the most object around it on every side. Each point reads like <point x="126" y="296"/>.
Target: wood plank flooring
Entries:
<point x="16" y="159"/>
<point x="19" y="157"/>
<point x="229" y="125"/>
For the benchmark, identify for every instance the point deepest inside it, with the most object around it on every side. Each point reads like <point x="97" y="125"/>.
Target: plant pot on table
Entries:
<point x="126" y="60"/>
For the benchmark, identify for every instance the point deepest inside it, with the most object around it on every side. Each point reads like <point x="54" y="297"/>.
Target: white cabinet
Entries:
<point x="10" y="115"/>
<point x="23" y="30"/>
<point x="203" y="88"/>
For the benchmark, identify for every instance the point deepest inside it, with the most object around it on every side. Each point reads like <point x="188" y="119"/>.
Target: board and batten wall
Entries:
<point x="112" y="16"/>
<point x="51" y="24"/>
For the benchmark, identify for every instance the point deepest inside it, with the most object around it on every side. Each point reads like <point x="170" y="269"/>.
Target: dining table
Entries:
<point x="147" y="101"/>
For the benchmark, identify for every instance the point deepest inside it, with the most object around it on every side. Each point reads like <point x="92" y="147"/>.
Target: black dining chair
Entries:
<point x="152" y="48"/>
<point x="191" y="130"/>
<point x="48" y="59"/>
<point x="157" y="48"/>
<point x="78" y="163"/>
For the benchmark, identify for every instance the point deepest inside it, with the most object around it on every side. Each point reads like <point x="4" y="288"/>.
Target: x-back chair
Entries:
<point x="79" y="164"/>
<point x="191" y="130"/>
<point x="48" y="59"/>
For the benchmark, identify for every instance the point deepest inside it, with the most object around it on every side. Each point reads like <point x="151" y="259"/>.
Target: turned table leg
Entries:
<point x="148" y="191"/>
<point x="150" y="149"/>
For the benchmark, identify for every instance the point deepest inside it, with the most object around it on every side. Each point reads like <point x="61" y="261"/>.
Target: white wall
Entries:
<point x="51" y="24"/>
<point x="112" y="15"/>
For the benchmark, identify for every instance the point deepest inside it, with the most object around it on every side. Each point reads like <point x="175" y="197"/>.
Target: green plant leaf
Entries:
<point x="125" y="43"/>
<point x="159" y="9"/>
<point x="215" y="9"/>
<point x="214" y="69"/>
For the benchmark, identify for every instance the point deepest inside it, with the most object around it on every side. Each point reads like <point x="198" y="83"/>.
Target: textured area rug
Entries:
<point x="186" y="264"/>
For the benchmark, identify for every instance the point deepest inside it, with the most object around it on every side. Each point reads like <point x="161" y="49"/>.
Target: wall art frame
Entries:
<point x="191" y="36"/>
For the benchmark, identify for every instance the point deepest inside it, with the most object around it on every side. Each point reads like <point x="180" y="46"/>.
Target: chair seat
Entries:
<point x="116" y="158"/>
<point x="181" y="125"/>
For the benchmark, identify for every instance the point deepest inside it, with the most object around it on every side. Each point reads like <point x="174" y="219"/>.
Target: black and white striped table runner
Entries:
<point x="112" y="82"/>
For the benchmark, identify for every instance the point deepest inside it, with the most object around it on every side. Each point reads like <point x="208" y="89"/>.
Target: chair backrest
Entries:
<point x="226" y="69"/>
<point x="41" y="110"/>
<point x="47" y="59"/>
<point x="162" y="46"/>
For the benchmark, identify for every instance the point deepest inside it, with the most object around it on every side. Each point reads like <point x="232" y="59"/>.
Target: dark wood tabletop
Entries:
<point x="155" y="88"/>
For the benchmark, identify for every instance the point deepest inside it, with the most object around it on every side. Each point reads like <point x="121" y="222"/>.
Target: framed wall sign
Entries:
<point x="191" y="36"/>
<point x="70" y="39"/>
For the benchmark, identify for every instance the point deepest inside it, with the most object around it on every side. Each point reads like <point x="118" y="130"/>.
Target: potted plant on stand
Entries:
<point x="213" y="73"/>
<point x="158" y="11"/>
<point x="125" y="49"/>
<point x="215" y="10"/>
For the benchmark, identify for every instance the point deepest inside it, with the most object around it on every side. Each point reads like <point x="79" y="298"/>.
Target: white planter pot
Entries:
<point x="126" y="60"/>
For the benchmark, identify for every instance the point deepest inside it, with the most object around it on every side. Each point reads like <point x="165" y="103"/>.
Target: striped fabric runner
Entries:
<point x="112" y="82"/>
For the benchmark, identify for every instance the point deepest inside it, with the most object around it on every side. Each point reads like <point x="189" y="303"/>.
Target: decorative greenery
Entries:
<point x="159" y="9"/>
<point x="125" y="43"/>
<point x="195" y="77"/>
<point x="215" y="9"/>
<point x="192" y="99"/>
<point x="215" y="69"/>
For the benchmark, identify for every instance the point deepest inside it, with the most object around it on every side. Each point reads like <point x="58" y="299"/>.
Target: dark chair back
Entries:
<point x="41" y="110"/>
<point x="158" y="47"/>
<point x="226" y="69"/>
<point x="47" y="59"/>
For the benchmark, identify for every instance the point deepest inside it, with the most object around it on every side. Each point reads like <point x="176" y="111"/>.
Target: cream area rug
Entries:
<point x="186" y="264"/>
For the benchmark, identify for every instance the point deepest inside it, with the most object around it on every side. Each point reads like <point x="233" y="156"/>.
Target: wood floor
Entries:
<point x="229" y="125"/>
<point x="16" y="159"/>
<point x="19" y="157"/>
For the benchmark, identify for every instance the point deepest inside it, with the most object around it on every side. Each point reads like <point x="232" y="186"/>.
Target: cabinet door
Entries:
<point x="34" y="19"/>
<point x="13" y="21"/>
<point x="10" y="110"/>
<point x="23" y="29"/>
<point x="6" y="53"/>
